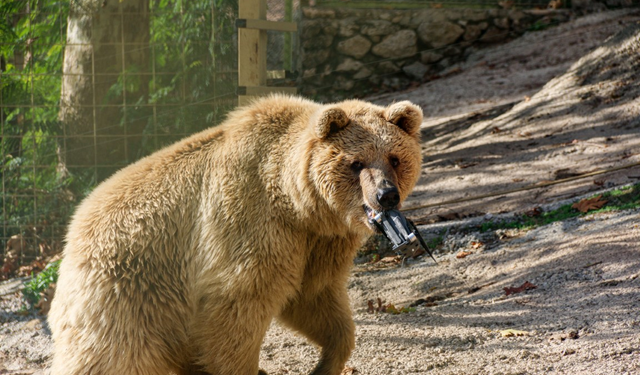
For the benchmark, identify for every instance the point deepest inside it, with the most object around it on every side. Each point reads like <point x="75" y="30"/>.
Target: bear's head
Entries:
<point x="365" y="158"/>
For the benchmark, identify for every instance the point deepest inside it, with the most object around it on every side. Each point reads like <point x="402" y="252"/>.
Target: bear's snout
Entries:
<point x="388" y="197"/>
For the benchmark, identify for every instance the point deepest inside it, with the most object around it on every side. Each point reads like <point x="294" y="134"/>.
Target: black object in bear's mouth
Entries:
<point x="402" y="233"/>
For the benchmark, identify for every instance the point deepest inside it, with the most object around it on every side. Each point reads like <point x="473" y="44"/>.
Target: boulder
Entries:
<point x="439" y="34"/>
<point x="400" y="44"/>
<point x="357" y="46"/>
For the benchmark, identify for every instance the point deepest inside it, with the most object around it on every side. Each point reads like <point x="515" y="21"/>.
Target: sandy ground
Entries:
<point x="546" y="106"/>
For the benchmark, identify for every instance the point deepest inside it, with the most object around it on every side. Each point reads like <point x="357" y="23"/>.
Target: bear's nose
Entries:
<point x="388" y="197"/>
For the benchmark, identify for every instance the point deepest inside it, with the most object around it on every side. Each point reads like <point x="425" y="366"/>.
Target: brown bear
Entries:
<point x="178" y="263"/>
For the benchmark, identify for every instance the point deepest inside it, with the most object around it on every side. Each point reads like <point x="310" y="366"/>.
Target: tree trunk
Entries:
<point x="105" y="65"/>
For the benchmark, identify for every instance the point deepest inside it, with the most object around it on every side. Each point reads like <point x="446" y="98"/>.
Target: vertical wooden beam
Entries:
<point x="288" y="17"/>
<point x="252" y="48"/>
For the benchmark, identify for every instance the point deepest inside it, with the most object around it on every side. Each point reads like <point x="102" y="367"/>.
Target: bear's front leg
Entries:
<point x="324" y="318"/>
<point x="228" y="334"/>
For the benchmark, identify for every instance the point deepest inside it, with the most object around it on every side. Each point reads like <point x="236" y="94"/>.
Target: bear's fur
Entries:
<point x="179" y="262"/>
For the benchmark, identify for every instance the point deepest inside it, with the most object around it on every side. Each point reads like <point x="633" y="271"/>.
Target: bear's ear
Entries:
<point x="329" y="121"/>
<point x="406" y="115"/>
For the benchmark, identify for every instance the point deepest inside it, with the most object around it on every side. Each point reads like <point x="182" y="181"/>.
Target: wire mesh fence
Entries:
<point x="87" y="87"/>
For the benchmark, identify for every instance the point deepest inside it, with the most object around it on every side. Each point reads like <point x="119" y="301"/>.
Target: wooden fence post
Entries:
<point x="252" y="49"/>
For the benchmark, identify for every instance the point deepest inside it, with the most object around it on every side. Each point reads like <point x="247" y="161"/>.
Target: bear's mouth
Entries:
<point x="371" y="213"/>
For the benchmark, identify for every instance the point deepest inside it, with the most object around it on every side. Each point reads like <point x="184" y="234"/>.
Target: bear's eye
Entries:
<point x="357" y="166"/>
<point x="394" y="161"/>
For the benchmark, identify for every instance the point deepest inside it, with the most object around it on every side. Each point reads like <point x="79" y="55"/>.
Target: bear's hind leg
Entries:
<point x="326" y="320"/>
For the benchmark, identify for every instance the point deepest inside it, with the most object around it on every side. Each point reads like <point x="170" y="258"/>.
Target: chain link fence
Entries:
<point x="90" y="86"/>
<point x="87" y="87"/>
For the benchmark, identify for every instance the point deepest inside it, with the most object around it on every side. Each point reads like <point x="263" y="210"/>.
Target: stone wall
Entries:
<point x="346" y="53"/>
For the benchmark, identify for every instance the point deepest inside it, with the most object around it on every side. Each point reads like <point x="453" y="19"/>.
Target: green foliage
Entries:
<point x="624" y="198"/>
<point x="196" y="44"/>
<point x="31" y="54"/>
<point x="539" y="25"/>
<point x="435" y="242"/>
<point x="391" y="309"/>
<point x="40" y="282"/>
<point x="193" y="59"/>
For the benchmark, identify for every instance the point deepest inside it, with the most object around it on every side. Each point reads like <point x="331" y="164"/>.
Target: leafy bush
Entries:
<point x="40" y="283"/>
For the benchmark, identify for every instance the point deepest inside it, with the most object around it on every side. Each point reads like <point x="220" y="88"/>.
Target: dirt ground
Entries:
<point x="547" y="106"/>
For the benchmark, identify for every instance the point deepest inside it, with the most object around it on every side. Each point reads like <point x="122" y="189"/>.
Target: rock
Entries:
<point x="313" y="12"/>
<point x="387" y="16"/>
<point x="502" y="23"/>
<point x="343" y="83"/>
<point x="399" y="44"/>
<point x="429" y="57"/>
<point x="439" y="34"/>
<point x="473" y="32"/>
<point x="387" y="67"/>
<point x="474" y="15"/>
<point x="516" y="15"/>
<point x="375" y="80"/>
<point x="317" y="42"/>
<point x="378" y="27"/>
<point x="363" y="73"/>
<point x="402" y="20"/>
<point x="395" y="83"/>
<point x="310" y="29"/>
<point x="33" y="325"/>
<point x="417" y="70"/>
<point x="331" y="29"/>
<point x="493" y="34"/>
<point x="348" y="27"/>
<point x="308" y="73"/>
<point x="452" y="51"/>
<point x="429" y="16"/>
<point x="314" y="58"/>
<point x="349" y="65"/>
<point x="357" y="46"/>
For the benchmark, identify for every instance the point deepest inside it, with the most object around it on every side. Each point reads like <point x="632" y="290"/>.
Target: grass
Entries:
<point x="625" y="198"/>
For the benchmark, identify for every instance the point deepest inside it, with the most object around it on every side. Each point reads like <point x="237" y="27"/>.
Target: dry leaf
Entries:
<point x="573" y="335"/>
<point x="476" y="244"/>
<point x="463" y="165"/>
<point x="392" y="309"/>
<point x="391" y="259"/>
<point x="373" y="309"/>
<point x="513" y="332"/>
<point x="536" y="211"/>
<point x="463" y="254"/>
<point x="45" y="299"/>
<point x="589" y="204"/>
<point x="526" y="286"/>
<point x="506" y="4"/>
